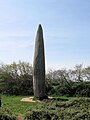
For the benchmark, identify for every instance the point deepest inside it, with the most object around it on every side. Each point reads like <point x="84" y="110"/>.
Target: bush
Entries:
<point x="16" y="79"/>
<point x="81" y="89"/>
<point x="63" y="89"/>
<point x="6" y="114"/>
<point x="22" y="85"/>
<point x="41" y="115"/>
<point x="48" y="87"/>
<point x="75" y="109"/>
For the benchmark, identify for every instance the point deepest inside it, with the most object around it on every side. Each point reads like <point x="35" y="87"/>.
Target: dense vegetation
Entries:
<point x="75" y="109"/>
<point x="59" y="108"/>
<point x="16" y="79"/>
<point x="72" y="82"/>
<point x="6" y="114"/>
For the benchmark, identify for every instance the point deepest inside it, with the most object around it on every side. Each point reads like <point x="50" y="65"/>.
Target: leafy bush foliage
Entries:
<point x="6" y="114"/>
<point x="16" y="79"/>
<point x="76" y="109"/>
<point x="41" y="115"/>
<point x="81" y="89"/>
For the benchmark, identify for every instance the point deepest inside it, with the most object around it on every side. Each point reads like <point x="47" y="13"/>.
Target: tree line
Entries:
<point x="16" y="79"/>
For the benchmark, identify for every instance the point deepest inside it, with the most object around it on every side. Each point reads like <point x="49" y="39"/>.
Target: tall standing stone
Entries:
<point x="39" y="66"/>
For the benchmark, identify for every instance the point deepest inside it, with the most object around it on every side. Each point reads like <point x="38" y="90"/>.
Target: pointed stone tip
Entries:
<point x="40" y="28"/>
<point x="40" y="25"/>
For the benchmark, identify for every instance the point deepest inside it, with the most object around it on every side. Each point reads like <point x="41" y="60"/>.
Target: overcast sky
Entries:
<point x="66" y="26"/>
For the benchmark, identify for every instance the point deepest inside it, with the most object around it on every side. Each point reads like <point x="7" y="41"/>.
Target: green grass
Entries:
<point x="19" y="107"/>
<point x="15" y="105"/>
<point x="73" y="107"/>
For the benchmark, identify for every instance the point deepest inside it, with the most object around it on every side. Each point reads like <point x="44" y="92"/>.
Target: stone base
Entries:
<point x="41" y="98"/>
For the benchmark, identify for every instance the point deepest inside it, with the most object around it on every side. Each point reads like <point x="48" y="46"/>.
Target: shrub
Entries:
<point x="16" y="79"/>
<point x="80" y="89"/>
<point x="75" y="109"/>
<point x="41" y="115"/>
<point x="6" y="114"/>
<point x="83" y="89"/>
<point x="21" y="85"/>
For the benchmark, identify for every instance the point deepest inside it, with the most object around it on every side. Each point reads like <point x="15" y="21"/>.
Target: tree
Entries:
<point x="16" y="78"/>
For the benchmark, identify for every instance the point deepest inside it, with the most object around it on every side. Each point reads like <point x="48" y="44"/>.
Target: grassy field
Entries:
<point x="66" y="107"/>
<point x="15" y="105"/>
<point x="19" y="107"/>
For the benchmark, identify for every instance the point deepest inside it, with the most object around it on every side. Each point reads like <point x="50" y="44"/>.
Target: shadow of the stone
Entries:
<point x="60" y="99"/>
